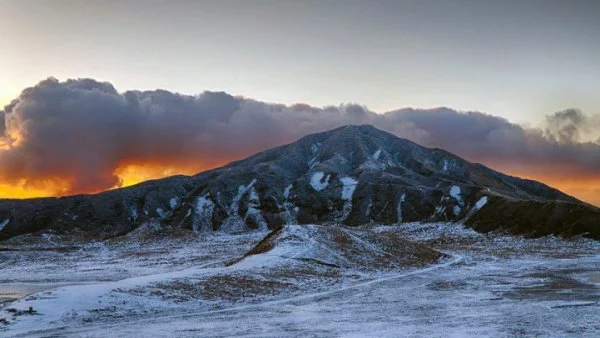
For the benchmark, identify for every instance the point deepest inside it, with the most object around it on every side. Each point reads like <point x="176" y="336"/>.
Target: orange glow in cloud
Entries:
<point x="137" y="173"/>
<point x="130" y="175"/>
<point x="22" y="190"/>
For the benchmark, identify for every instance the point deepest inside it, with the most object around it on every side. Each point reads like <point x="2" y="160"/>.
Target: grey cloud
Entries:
<point x="567" y="126"/>
<point x="493" y="140"/>
<point x="81" y="131"/>
<point x="2" y="124"/>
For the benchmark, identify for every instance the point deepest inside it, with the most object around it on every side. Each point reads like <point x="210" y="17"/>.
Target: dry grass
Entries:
<point x="220" y="287"/>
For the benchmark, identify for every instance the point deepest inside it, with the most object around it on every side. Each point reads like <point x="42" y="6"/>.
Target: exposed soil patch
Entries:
<point x="220" y="287"/>
<point x="555" y="286"/>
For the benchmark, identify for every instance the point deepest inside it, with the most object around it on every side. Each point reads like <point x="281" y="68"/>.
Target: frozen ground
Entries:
<point x="310" y="284"/>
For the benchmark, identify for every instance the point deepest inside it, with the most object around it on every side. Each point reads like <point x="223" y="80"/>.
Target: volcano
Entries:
<point x="353" y="175"/>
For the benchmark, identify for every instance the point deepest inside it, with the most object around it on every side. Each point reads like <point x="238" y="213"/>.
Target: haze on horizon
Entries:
<point x="530" y="66"/>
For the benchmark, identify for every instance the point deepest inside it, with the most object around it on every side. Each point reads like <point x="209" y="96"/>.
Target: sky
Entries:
<point x="532" y="64"/>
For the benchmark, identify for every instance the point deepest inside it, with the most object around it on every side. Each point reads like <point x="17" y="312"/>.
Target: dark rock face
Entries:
<point x="351" y="175"/>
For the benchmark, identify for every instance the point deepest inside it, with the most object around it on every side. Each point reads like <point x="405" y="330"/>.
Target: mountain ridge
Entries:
<point x="351" y="175"/>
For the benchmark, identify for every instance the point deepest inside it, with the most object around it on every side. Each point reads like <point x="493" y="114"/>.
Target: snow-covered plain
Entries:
<point x="184" y="285"/>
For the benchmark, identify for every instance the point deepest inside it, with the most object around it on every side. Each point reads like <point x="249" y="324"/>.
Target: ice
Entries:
<point x="317" y="181"/>
<point x="376" y="155"/>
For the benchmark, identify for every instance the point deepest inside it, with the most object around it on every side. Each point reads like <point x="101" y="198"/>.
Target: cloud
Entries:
<point x="554" y="149"/>
<point x="2" y="124"/>
<point x="80" y="132"/>
<point x="570" y="125"/>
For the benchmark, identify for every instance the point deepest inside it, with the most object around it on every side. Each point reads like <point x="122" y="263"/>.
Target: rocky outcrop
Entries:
<point x="342" y="247"/>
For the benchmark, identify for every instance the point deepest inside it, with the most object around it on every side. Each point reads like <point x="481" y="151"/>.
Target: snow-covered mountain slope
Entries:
<point x="351" y="175"/>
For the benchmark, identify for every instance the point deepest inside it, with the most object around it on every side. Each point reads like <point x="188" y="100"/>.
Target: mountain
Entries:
<point x="351" y="175"/>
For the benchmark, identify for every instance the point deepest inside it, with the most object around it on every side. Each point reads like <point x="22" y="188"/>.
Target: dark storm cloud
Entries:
<point x="80" y="131"/>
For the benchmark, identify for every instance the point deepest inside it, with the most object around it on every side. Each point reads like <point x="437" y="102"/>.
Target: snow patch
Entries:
<point x="161" y="212"/>
<point x="242" y="190"/>
<point x="455" y="193"/>
<point x="439" y="210"/>
<point x="478" y="205"/>
<point x="377" y="154"/>
<point x="134" y="213"/>
<point x="203" y="214"/>
<point x="234" y="223"/>
<point x="456" y="210"/>
<point x="289" y="209"/>
<point x="317" y="182"/>
<point x="254" y="210"/>
<point x="448" y="165"/>
<point x="349" y="185"/>
<point x="314" y="149"/>
<point x="4" y="223"/>
<point x="287" y="191"/>
<point x="399" y="210"/>
<point x="173" y="202"/>
<point x="481" y="203"/>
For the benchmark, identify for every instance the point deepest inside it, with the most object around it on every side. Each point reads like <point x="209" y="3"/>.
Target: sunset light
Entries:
<point x="307" y="168"/>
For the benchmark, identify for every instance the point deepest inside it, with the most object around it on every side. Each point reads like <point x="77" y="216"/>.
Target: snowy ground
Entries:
<point x="494" y="285"/>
